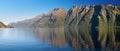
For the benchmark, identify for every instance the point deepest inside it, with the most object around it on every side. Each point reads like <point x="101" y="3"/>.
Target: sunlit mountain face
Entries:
<point x="54" y="18"/>
<point x="65" y="25"/>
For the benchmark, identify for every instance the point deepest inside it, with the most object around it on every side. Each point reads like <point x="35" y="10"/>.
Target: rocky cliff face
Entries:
<point x="2" y="25"/>
<point x="54" y="18"/>
<point x="93" y="16"/>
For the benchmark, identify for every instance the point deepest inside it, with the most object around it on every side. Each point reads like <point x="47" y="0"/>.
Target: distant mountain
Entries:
<point x="79" y="15"/>
<point x="54" y="18"/>
<point x="2" y="25"/>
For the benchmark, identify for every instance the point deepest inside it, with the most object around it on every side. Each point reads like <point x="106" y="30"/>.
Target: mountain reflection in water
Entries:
<point x="59" y="39"/>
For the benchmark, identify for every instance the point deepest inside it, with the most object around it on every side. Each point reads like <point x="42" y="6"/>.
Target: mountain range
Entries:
<point x="54" y="18"/>
<point x="93" y="16"/>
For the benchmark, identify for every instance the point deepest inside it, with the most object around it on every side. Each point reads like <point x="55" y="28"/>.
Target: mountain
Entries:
<point x="93" y="16"/>
<point x="54" y="18"/>
<point x="2" y="25"/>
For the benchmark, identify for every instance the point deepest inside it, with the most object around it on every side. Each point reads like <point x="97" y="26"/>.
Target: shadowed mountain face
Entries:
<point x="54" y="18"/>
<point x="94" y="16"/>
<point x="2" y="25"/>
<point x="98" y="15"/>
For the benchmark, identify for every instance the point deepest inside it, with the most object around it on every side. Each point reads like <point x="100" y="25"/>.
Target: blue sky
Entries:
<point x="16" y="10"/>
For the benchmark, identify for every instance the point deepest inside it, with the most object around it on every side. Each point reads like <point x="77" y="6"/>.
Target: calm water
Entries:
<point x="58" y="39"/>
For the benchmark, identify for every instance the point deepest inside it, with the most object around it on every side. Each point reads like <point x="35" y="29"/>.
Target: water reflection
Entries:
<point x="53" y="35"/>
<point x="79" y="39"/>
<point x="60" y="39"/>
<point x="82" y="39"/>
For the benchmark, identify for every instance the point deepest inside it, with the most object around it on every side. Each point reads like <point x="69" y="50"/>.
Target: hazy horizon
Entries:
<point x="17" y="10"/>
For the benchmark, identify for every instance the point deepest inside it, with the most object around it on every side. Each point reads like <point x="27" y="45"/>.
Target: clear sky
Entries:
<point x="16" y="10"/>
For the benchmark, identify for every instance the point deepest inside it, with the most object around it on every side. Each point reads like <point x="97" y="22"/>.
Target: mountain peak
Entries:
<point x="56" y="9"/>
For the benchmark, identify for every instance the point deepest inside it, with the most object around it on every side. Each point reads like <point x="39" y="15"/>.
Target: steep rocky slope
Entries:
<point x="93" y="16"/>
<point x="54" y="18"/>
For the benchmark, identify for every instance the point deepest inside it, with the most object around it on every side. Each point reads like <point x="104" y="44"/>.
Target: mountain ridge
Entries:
<point x="78" y="15"/>
<point x="44" y="20"/>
